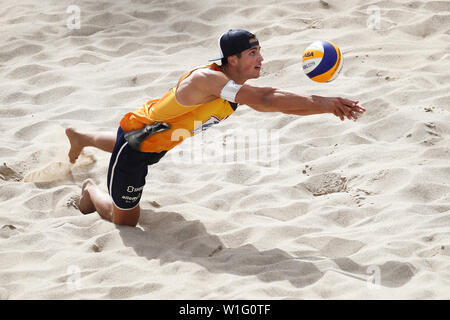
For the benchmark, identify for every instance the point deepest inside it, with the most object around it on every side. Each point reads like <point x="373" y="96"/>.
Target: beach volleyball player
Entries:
<point x="202" y="97"/>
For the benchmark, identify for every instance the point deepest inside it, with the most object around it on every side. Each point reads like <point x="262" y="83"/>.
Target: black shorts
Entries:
<point x="127" y="171"/>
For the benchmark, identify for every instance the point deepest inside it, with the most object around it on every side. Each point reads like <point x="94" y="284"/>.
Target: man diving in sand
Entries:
<point x="203" y="96"/>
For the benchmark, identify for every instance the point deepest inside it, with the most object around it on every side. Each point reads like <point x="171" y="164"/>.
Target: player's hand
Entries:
<point x="342" y="108"/>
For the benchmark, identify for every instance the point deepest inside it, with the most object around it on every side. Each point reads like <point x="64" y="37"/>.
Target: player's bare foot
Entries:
<point x="76" y="145"/>
<point x="85" y="203"/>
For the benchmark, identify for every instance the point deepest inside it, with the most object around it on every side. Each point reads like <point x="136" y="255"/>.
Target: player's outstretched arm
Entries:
<point x="275" y="100"/>
<point x="266" y="99"/>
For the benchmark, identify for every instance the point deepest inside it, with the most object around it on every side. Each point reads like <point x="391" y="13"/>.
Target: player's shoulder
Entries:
<point x="209" y="73"/>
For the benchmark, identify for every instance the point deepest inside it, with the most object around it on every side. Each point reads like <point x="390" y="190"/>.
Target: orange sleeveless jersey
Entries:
<point x="185" y="121"/>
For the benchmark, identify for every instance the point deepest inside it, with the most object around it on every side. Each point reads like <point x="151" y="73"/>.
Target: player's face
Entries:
<point x="250" y="62"/>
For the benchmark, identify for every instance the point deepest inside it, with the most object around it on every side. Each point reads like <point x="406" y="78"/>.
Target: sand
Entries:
<point x="336" y="210"/>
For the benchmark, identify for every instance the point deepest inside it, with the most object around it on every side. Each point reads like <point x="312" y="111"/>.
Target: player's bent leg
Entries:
<point x="78" y="140"/>
<point x="127" y="171"/>
<point x="95" y="199"/>
<point x="128" y="217"/>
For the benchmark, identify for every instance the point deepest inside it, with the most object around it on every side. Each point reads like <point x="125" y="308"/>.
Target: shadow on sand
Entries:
<point x="168" y="237"/>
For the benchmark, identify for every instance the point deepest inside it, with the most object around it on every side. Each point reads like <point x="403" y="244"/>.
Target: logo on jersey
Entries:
<point x="207" y="124"/>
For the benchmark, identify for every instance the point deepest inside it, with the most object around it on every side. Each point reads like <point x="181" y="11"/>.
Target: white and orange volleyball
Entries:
<point x="322" y="61"/>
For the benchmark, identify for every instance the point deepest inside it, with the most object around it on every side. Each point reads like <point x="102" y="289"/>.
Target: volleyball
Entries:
<point x="322" y="61"/>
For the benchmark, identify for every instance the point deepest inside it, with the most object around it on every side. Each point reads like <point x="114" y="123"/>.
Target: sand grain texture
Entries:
<point x="344" y="210"/>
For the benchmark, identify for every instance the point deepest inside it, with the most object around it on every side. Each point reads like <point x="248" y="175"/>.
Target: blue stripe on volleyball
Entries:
<point x="328" y="60"/>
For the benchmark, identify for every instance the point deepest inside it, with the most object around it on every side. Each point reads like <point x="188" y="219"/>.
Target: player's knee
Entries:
<point x="126" y="217"/>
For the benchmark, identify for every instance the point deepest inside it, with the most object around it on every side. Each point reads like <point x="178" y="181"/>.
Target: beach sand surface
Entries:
<point x="326" y="210"/>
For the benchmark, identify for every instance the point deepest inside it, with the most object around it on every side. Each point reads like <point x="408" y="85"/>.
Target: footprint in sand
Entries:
<point x="8" y="230"/>
<point x="324" y="184"/>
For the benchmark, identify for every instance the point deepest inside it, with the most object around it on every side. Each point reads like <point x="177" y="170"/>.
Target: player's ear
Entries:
<point x="233" y="60"/>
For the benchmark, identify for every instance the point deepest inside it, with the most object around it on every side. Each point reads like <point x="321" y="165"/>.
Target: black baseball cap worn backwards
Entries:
<point x="235" y="41"/>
